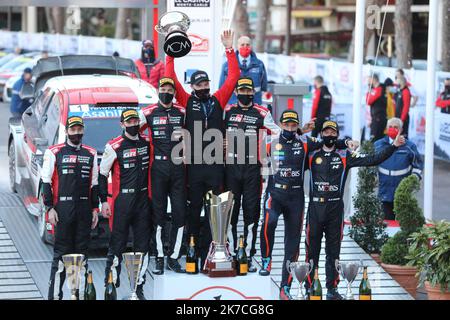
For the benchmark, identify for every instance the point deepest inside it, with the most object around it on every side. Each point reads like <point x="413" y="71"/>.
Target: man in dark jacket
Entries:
<point x="321" y="108"/>
<point x="18" y="105"/>
<point x="250" y="67"/>
<point x="376" y="99"/>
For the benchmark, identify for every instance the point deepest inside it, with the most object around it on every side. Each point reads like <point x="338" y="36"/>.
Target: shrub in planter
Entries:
<point x="368" y="229"/>
<point x="429" y="252"/>
<point x="410" y="217"/>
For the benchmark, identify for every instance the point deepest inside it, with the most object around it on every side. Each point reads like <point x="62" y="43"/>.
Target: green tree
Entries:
<point x="368" y="229"/>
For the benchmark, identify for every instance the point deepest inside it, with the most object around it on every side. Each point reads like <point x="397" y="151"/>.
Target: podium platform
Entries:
<point x="173" y="286"/>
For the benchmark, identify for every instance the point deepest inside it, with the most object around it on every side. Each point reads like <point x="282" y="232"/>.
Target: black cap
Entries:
<point x="330" y="124"/>
<point x="74" y="121"/>
<point x="245" y="83"/>
<point x="388" y="82"/>
<point x="165" y="80"/>
<point x="128" y="114"/>
<point x="289" y="116"/>
<point x="199" y="76"/>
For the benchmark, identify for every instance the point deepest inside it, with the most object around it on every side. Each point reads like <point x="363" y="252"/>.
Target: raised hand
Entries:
<point x="399" y="140"/>
<point x="308" y="127"/>
<point x="227" y="39"/>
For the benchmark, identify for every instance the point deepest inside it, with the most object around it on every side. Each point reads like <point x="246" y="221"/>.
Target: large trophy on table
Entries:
<point x="219" y="262"/>
<point x="73" y="263"/>
<point x="174" y="25"/>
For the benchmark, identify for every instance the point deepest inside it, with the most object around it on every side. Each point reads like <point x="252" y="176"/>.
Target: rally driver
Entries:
<point x="70" y="193"/>
<point x="128" y="157"/>
<point x="329" y="168"/>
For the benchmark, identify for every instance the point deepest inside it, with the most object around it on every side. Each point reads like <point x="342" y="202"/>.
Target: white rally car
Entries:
<point x="96" y="88"/>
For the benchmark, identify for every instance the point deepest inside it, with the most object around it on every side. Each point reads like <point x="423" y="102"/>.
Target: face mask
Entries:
<point x="245" y="52"/>
<point x="75" y="138"/>
<point x="203" y="94"/>
<point x="392" y="133"/>
<point x="329" y="141"/>
<point x="245" y="99"/>
<point x="288" y="135"/>
<point x="447" y="88"/>
<point x="132" y="131"/>
<point x="149" y="54"/>
<point x="166" y="98"/>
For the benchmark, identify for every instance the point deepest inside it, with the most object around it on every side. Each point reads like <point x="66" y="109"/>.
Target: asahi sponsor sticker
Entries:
<point x="192" y="3"/>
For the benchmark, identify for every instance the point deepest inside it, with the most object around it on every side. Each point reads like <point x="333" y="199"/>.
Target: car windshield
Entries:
<point x="13" y="64"/>
<point x="99" y="131"/>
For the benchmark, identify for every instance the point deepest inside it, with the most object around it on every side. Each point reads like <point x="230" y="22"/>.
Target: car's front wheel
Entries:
<point x="12" y="167"/>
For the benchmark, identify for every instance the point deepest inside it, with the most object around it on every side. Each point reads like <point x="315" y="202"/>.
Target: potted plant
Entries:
<point x="430" y="254"/>
<point x="410" y="218"/>
<point x="367" y="225"/>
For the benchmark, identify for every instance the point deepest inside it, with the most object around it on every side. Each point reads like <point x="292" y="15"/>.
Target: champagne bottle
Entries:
<point x="89" y="290"/>
<point x="316" y="287"/>
<point x="242" y="260"/>
<point x="110" y="290"/>
<point x="365" y="292"/>
<point x="191" y="258"/>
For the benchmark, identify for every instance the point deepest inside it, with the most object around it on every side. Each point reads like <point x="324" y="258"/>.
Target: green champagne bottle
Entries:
<point x="89" y="291"/>
<point x="191" y="258"/>
<point x="242" y="260"/>
<point x="365" y="292"/>
<point x="110" y="290"/>
<point x="316" y="287"/>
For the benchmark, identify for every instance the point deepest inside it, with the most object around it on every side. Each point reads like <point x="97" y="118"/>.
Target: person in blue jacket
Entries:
<point x="18" y="105"/>
<point x="405" y="161"/>
<point x="251" y="67"/>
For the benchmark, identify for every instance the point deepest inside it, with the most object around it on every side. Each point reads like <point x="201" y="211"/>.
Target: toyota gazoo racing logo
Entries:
<point x="237" y="118"/>
<point x="69" y="159"/>
<point x="326" y="187"/>
<point x="130" y="153"/>
<point x="160" y="120"/>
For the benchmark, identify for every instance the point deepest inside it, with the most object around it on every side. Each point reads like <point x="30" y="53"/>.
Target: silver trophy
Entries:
<point x="174" y="25"/>
<point x="73" y="263"/>
<point x="299" y="270"/>
<point x="133" y="263"/>
<point x="219" y="262"/>
<point x="348" y="271"/>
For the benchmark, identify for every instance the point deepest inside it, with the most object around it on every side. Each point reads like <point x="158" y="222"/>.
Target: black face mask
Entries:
<point x="245" y="99"/>
<point x="203" y="94"/>
<point x="75" y="138"/>
<point x="132" y="131"/>
<point x="166" y="98"/>
<point x="329" y="141"/>
<point x="288" y="135"/>
<point x="148" y="55"/>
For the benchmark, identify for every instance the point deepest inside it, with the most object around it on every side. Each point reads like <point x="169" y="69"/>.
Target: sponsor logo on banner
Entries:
<point x="130" y="153"/>
<point x="199" y="43"/>
<point x="192" y="3"/>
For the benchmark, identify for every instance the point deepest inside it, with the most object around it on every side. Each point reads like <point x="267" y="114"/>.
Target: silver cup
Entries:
<point x="348" y="271"/>
<point x="133" y="263"/>
<point x="220" y="208"/>
<point x="299" y="271"/>
<point x="174" y="25"/>
<point x="73" y="263"/>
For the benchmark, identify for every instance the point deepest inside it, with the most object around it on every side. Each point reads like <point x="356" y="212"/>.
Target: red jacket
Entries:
<point x="156" y="72"/>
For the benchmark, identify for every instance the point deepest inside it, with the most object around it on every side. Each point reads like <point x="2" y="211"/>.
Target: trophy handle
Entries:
<point x="288" y="266"/>
<point x="337" y="265"/>
<point x="311" y="265"/>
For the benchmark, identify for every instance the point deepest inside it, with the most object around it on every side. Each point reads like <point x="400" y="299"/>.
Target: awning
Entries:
<point x="312" y="13"/>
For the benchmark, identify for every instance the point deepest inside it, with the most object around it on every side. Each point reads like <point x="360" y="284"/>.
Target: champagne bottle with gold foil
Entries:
<point x="316" y="287"/>
<point x="89" y="291"/>
<point x="242" y="260"/>
<point x="365" y="291"/>
<point x="110" y="290"/>
<point x="191" y="258"/>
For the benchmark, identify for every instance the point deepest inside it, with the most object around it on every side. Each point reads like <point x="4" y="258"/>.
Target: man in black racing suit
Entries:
<point x="329" y="169"/>
<point x="164" y="121"/>
<point x="128" y="157"/>
<point x="70" y="193"/>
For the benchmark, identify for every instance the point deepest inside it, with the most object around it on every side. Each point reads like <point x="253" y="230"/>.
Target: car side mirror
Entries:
<point x="27" y="91"/>
<point x="40" y="142"/>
